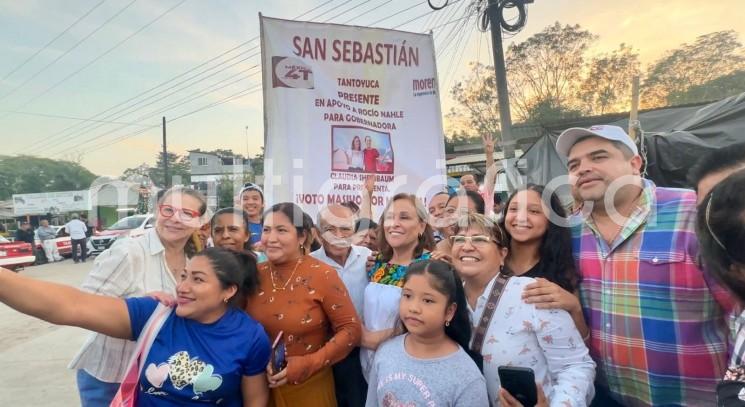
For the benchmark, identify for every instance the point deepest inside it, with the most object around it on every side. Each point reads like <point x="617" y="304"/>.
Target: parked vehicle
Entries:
<point x="15" y="254"/>
<point x="131" y="226"/>
<point x="63" y="242"/>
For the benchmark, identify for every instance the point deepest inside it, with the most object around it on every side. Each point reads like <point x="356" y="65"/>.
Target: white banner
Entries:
<point x="343" y="102"/>
<point x="51" y="202"/>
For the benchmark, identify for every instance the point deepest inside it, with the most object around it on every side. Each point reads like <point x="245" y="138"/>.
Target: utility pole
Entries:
<point x="500" y="71"/>
<point x="165" y="157"/>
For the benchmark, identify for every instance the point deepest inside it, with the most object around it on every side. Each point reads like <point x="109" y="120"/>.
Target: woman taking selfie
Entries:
<point x="306" y="301"/>
<point x="207" y="351"/>
<point x="131" y="268"/>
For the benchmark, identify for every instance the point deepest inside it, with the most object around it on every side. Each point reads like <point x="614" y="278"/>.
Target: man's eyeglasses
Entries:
<point x="476" y="241"/>
<point x="185" y="215"/>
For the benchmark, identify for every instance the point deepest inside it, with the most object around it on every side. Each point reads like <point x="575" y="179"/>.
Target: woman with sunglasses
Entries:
<point x="516" y="333"/>
<point x="130" y="268"/>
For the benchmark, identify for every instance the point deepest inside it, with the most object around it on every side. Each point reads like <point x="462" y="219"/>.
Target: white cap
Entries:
<point x="569" y="137"/>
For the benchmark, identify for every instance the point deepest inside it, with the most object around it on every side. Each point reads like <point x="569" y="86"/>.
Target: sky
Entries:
<point x="127" y="63"/>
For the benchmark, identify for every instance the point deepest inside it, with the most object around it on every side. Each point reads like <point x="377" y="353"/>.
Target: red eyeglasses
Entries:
<point x="185" y="215"/>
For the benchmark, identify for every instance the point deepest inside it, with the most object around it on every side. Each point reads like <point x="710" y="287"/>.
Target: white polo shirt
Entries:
<point x="76" y="229"/>
<point x="353" y="273"/>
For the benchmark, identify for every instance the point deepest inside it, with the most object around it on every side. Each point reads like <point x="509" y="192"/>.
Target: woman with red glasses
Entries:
<point x="132" y="268"/>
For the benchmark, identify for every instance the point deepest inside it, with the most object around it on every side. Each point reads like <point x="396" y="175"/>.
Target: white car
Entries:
<point x="131" y="226"/>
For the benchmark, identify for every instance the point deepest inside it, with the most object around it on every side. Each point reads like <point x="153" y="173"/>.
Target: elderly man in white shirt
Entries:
<point x="336" y="224"/>
<point x="77" y="230"/>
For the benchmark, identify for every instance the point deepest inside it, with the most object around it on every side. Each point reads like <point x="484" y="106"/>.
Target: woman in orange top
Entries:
<point x="307" y="301"/>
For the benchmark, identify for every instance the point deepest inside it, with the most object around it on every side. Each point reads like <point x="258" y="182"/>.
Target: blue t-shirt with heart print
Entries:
<point x="191" y="363"/>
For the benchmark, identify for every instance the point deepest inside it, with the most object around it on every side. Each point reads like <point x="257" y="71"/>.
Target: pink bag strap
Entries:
<point x="127" y="393"/>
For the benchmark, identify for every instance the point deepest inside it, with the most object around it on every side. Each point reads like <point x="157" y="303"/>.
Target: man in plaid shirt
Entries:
<point x="657" y="321"/>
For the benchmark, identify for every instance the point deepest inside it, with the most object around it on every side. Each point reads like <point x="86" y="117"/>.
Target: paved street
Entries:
<point x="34" y="354"/>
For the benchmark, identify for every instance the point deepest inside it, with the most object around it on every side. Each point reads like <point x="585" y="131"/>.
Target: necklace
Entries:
<point x="272" y="272"/>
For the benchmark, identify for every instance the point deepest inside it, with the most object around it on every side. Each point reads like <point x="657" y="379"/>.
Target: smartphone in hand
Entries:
<point x="279" y="359"/>
<point x="520" y="383"/>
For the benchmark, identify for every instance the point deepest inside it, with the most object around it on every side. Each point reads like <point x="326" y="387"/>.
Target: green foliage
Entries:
<point x="709" y="57"/>
<point x="551" y="77"/>
<point x="547" y="69"/>
<point x="607" y="84"/>
<point x="29" y="174"/>
<point x="257" y="163"/>
<point x="544" y="73"/>
<point x="177" y="166"/>
<point x="545" y="112"/>
<point x="715" y="89"/>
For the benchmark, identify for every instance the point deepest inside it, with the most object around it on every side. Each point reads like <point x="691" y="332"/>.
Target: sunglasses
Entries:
<point x="476" y="240"/>
<point x="185" y="215"/>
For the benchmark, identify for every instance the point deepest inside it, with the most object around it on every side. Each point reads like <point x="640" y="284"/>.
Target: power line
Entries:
<point x="64" y="131"/>
<point x="314" y="9"/>
<point x="139" y="105"/>
<point x="57" y="116"/>
<point x="32" y="77"/>
<point x="366" y="12"/>
<point x="40" y="50"/>
<point x="157" y="112"/>
<point x="94" y="60"/>
<point x="133" y="107"/>
<point x="425" y="14"/>
<point x="380" y="20"/>
<point x="326" y="12"/>
<point x="395" y="14"/>
<point x="345" y="11"/>
<point x="234" y="96"/>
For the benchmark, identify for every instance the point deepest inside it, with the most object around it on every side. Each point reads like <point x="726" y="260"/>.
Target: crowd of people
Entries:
<point x="630" y="296"/>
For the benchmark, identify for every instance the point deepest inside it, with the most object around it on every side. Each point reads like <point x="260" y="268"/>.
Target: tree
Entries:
<point x="178" y="166"/>
<point x="546" y="69"/>
<point x="544" y="73"/>
<point x="477" y="108"/>
<point x="29" y="174"/>
<point x="715" y="89"/>
<point x="257" y="163"/>
<point x="709" y="57"/>
<point x="141" y="173"/>
<point x="607" y="84"/>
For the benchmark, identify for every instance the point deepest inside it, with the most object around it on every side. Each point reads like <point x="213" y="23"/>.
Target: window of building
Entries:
<point x="202" y="161"/>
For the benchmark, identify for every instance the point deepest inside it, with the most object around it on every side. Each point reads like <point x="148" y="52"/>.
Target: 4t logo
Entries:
<point x="288" y="72"/>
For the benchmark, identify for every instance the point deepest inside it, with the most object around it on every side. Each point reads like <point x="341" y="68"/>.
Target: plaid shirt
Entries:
<point x="659" y="334"/>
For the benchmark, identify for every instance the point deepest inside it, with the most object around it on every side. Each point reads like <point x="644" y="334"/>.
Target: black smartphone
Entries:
<point x="520" y="383"/>
<point x="279" y="360"/>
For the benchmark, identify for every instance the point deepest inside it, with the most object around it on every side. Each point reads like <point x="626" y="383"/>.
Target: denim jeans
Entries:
<point x="93" y="392"/>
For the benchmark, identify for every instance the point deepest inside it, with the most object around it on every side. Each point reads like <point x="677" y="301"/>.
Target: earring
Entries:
<point x="447" y="323"/>
<point x="225" y="300"/>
